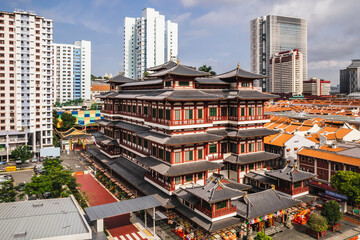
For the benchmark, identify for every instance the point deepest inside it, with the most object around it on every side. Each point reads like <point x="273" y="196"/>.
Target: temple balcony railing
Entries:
<point x="159" y="182"/>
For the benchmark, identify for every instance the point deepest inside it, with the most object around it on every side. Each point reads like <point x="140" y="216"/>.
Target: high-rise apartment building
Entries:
<point x="148" y="41"/>
<point x="26" y="86"/>
<point x="286" y="72"/>
<point x="72" y="70"/>
<point x="273" y="34"/>
<point x="317" y="87"/>
<point x="350" y="77"/>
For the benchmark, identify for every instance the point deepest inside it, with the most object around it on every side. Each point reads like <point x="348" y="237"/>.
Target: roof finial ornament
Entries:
<point x="178" y="61"/>
<point x="238" y="65"/>
<point x="170" y="55"/>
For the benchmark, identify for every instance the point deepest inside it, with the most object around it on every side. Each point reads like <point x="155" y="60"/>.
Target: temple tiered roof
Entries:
<point x="251" y="157"/>
<point x="291" y="174"/>
<point x="180" y="70"/>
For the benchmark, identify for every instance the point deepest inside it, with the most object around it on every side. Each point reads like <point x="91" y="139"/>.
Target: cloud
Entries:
<point x="182" y="17"/>
<point x="192" y="3"/>
<point x="328" y="64"/>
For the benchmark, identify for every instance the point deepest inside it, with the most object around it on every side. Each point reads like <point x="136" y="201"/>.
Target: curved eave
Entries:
<point x="194" y="99"/>
<point x="194" y="142"/>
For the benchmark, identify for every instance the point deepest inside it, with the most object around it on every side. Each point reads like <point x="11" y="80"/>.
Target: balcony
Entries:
<point x="216" y="213"/>
<point x="167" y="186"/>
<point x="215" y="156"/>
<point x="190" y="122"/>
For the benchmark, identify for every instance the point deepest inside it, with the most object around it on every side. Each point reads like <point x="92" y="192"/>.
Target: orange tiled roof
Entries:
<point x="342" y="132"/>
<point x="291" y="128"/>
<point x="304" y="128"/>
<point x="328" y="129"/>
<point x="330" y="136"/>
<point x="280" y="140"/>
<point x="330" y="149"/>
<point x="100" y="87"/>
<point x="330" y="156"/>
<point x="269" y="138"/>
<point x="313" y="139"/>
<point x="272" y="126"/>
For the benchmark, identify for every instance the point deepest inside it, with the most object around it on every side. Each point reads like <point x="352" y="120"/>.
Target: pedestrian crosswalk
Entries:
<point x="131" y="236"/>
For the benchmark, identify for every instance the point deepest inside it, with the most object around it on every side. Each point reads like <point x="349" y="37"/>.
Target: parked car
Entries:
<point x="21" y="186"/>
<point x="27" y="161"/>
<point x="39" y="169"/>
<point x="18" y="161"/>
<point x="41" y="159"/>
<point x="34" y="159"/>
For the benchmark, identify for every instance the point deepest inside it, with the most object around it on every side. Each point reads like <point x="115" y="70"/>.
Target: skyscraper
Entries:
<point x="26" y="83"/>
<point x="286" y="72"/>
<point x="148" y="41"/>
<point x="273" y="34"/>
<point x="350" y="77"/>
<point x="72" y="70"/>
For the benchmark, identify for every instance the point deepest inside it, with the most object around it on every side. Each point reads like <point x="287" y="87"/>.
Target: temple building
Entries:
<point x="189" y="137"/>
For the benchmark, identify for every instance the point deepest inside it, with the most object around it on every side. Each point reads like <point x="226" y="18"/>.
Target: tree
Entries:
<point x="317" y="223"/>
<point x="347" y="183"/>
<point x="22" y="153"/>
<point x="55" y="180"/>
<point x="55" y="118"/>
<point x="56" y="142"/>
<point x="262" y="236"/>
<point x="208" y="69"/>
<point x="68" y="120"/>
<point x="93" y="106"/>
<point x="145" y="74"/>
<point x="331" y="211"/>
<point x="7" y="192"/>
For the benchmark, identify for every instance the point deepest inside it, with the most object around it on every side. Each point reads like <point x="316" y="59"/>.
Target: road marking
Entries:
<point x="115" y="238"/>
<point x="122" y="237"/>
<point x="135" y="236"/>
<point x="142" y="235"/>
<point x="129" y="237"/>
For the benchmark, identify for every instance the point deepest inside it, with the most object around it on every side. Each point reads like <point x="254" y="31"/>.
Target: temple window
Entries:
<point x="128" y="108"/>
<point x="168" y="84"/>
<point x="168" y="156"/>
<point x="178" y="180"/>
<point x="259" y="146"/>
<point x="213" y="112"/>
<point x="167" y="114"/>
<point x="177" y="157"/>
<point x="200" y="176"/>
<point x="189" y="114"/>
<point x="242" y="168"/>
<point x="161" y="113"/>
<point x="189" y="155"/>
<point x="189" y="178"/>
<point x="205" y="204"/>
<point x="233" y="111"/>
<point x="154" y="151"/>
<point x="233" y="167"/>
<point x="161" y="153"/>
<point x="251" y="147"/>
<point x="200" y="154"/>
<point x="213" y="148"/>
<point x="222" y="204"/>
<point x="251" y="111"/>
<point x="251" y="166"/>
<point x="184" y="83"/>
<point x="154" y="112"/>
<point x="146" y="143"/>
<point x="259" y="112"/>
<point x="139" y="141"/>
<point x="242" y="147"/>
<point x="134" y="109"/>
<point x="200" y="114"/>
<point x="297" y="184"/>
<point x="177" y="115"/>
<point x="233" y="148"/>
<point x="145" y="110"/>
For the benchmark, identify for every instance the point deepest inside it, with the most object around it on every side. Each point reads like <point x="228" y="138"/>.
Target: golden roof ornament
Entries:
<point x="238" y="65"/>
<point x="178" y="61"/>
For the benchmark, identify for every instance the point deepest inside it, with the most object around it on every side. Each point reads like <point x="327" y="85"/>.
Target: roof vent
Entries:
<point x="20" y="234"/>
<point x="38" y="204"/>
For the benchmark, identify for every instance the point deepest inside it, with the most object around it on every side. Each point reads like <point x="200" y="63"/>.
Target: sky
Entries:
<point x="211" y="32"/>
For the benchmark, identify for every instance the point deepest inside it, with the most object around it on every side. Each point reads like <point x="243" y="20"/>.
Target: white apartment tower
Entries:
<point x="286" y="72"/>
<point x="273" y="34"/>
<point x="26" y="86"/>
<point x="72" y="70"/>
<point x="148" y="41"/>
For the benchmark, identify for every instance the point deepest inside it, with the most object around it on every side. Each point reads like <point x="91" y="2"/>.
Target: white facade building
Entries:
<point x="26" y="82"/>
<point x="317" y="87"/>
<point x="273" y="34"/>
<point x="286" y="72"/>
<point x="72" y="70"/>
<point x="148" y="41"/>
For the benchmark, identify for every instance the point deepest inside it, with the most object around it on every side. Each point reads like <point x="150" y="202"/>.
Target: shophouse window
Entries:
<point x="213" y="112"/>
<point x="200" y="154"/>
<point x="213" y="148"/>
<point x="189" y="155"/>
<point x="336" y="167"/>
<point x="200" y="114"/>
<point x="177" y="157"/>
<point x="189" y="114"/>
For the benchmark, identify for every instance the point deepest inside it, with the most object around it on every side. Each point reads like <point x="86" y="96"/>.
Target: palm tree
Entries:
<point x="208" y="69"/>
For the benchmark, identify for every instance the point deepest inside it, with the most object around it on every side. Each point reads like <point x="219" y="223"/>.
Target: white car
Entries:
<point x="34" y="160"/>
